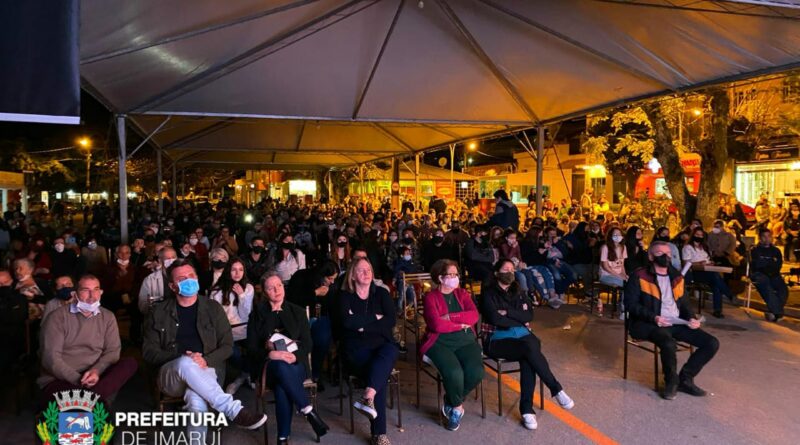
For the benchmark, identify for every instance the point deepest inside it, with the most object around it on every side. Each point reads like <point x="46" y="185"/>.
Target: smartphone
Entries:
<point x="279" y="345"/>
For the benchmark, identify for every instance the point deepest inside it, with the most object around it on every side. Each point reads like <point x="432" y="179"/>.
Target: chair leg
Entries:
<point x="341" y="390"/>
<point x="483" y="400"/>
<point x="439" y="398"/>
<point x="419" y="365"/>
<point x="541" y="393"/>
<point x="625" y="352"/>
<point x="655" y="366"/>
<point x="350" y="404"/>
<point x="499" y="389"/>
<point x="396" y="385"/>
<point x="266" y="433"/>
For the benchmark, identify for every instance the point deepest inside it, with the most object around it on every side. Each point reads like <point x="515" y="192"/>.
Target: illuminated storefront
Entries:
<point x="775" y="173"/>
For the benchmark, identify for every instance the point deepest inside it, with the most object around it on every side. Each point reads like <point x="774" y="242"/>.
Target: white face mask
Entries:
<point x="168" y="262"/>
<point x="193" y="241"/>
<point x="92" y="245"/>
<point x="451" y="282"/>
<point x="616" y="238"/>
<point x="407" y="257"/>
<point x="93" y="308"/>
<point x="59" y="247"/>
<point x="716" y="230"/>
<point x="123" y="262"/>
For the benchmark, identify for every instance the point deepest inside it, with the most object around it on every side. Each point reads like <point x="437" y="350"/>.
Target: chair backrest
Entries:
<point x="416" y="278"/>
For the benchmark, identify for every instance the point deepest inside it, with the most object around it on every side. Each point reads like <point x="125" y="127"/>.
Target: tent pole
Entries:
<point x="452" y="161"/>
<point x="539" y="167"/>
<point x="123" y="181"/>
<point x="417" y="198"/>
<point x="174" y="186"/>
<point x="160" y="185"/>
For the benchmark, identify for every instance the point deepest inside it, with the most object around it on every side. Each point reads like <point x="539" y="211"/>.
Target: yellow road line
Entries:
<point x="561" y="414"/>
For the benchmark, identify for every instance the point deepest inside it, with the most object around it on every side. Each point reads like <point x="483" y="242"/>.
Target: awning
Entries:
<point x="316" y="84"/>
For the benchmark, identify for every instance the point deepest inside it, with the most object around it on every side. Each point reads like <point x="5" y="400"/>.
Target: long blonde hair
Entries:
<point x="350" y="277"/>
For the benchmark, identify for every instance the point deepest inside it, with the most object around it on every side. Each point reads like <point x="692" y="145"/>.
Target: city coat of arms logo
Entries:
<point x="75" y="418"/>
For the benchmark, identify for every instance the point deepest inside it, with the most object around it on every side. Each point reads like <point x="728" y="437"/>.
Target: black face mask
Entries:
<point x="697" y="239"/>
<point x="65" y="293"/>
<point x="287" y="246"/>
<point x="505" y="277"/>
<point x="218" y="264"/>
<point x="662" y="260"/>
<point x="407" y="241"/>
<point x="455" y="229"/>
<point x="663" y="238"/>
<point x="342" y="244"/>
<point x="258" y="249"/>
<point x="149" y="239"/>
<point x="437" y="239"/>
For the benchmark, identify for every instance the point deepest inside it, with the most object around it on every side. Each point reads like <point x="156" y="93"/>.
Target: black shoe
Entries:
<point x="320" y="385"/>
<point x="717" y="314"/>
<point x="670" y="391"/>
<point x="769" y="316"/>
<point x="319" y="426"/>
<point x="778" y="318"/>
<point x="249" y="420"/>
<point x="690" y="388"/>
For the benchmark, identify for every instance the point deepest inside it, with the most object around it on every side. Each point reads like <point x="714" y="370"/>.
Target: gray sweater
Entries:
<point x="73" y="344"/>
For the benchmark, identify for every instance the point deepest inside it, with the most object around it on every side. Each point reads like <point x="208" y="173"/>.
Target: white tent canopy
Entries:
<point x="334" y="82"/>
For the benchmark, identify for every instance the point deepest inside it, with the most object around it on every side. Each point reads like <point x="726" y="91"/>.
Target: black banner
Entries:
<point x="39" y="61"/>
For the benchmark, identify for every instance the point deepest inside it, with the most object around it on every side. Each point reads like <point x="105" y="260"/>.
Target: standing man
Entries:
<point x="81" y="346"/>
<point x="506" y="214"/>
<point x="765" y="272"/>
<point x="659" y="313"/>
<point x="189" y="339"/>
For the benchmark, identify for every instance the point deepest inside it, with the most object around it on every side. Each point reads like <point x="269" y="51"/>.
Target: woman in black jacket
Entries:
<point x="368" y="316"/>
<point x="637" y="254"/>
<point x="508" y="314"/>
<point x="286" y="370"/>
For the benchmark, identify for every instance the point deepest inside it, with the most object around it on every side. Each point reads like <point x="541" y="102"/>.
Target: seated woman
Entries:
<point x="235" y="295"/>
<point x="508" y="314"/>
<point x="287" y="258"/>
<point x="450" y="341"/>
<point x="286" y="370"/>
<point x="696" y="252"/>
<point x="369" y="348"/>
<point x="612" y="263"/>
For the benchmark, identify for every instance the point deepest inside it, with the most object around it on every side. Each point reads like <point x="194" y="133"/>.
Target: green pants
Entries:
<point x="461" y="369"/>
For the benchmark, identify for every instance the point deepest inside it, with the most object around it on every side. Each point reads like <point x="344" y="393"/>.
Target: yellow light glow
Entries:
<point x="472" y="146"/>
<point x="697" y="112"/>
<point x="794" y="166"/>
<point x="85" y="142"/>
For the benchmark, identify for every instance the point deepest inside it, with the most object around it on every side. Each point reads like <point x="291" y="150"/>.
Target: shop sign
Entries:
<point x="444" y="191"/>
<point x="777" y="154"/>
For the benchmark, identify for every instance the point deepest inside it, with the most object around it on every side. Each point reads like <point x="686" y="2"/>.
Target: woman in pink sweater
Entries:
<point x="450" y="342"/>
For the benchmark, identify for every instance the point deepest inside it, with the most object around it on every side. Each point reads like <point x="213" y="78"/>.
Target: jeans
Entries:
<point x="717" y="284"/>
<point x="563" y="274"/>
<point x="706" y="347"/>
<point x="528" y="352"/>
<point x="286" y="380"/>
<point x="114" y="378"/>
<point x="182" y="377"/>
<point x="374" y="366"/>
<point x="587" y="272"/>
<point x="410" y="295"/>
<point x="522" y="279"/>
<point x="321" y="335"/>
<point x="543" y="280"/>
<point x="773" y="290"/>
<point x="460" y="369"/>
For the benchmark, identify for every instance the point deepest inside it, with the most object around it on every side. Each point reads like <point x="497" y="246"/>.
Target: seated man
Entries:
<point x="189" y="339"/>
<point x="81" y="346"/>
<point x="659" y="313"/>
<point x="478" y="255"/>
<point x="765" y="271"/>
<point x="155" y="286"/>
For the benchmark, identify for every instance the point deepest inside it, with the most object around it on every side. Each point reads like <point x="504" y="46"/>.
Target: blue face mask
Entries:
<point x="188" y="287"/>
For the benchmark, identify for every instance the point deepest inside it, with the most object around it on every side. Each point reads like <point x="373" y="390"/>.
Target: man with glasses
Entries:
<point x="81" y="346"/>
<point x="660" y="313"/>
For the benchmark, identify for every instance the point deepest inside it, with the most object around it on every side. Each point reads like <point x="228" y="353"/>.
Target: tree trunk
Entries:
<point x="630" y="184"/>
<point x="668" y="157"/>
<point x="714" y="155"/>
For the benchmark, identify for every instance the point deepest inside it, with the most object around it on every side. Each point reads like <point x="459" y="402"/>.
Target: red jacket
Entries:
<point x="436" y="307"/>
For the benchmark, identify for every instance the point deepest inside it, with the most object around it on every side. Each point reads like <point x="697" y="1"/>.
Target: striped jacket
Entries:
<point x="643" y="296"/>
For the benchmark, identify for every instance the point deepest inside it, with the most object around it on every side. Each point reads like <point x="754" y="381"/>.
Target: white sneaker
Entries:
<point x="622" y="316"/>
<point x="555" y="303"/>
<point x="234" y="385"/>
<point x="529" y="421"/>
<point x="564" y="400"/>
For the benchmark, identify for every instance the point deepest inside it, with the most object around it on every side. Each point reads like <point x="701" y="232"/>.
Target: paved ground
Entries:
<point x="754" y="383"/>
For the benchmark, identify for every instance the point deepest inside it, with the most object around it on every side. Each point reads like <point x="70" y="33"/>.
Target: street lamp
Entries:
<point x="472" y="146"/>
<point x="86" y="143"/>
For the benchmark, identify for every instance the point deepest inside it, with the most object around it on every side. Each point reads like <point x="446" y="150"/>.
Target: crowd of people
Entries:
<point x="215" y="294"/>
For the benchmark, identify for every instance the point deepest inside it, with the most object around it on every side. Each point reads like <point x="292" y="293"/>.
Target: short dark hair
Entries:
<point x="179" y="263"/>
<point x="257" y="238"/>
<point x="501" y="194"/>
<point x="328" y="268"/>
<point x="439" y="268"/>
<point x="764" y="230"/>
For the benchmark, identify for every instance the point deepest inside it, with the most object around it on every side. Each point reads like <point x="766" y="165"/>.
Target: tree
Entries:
<point x="622" y="142"/>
